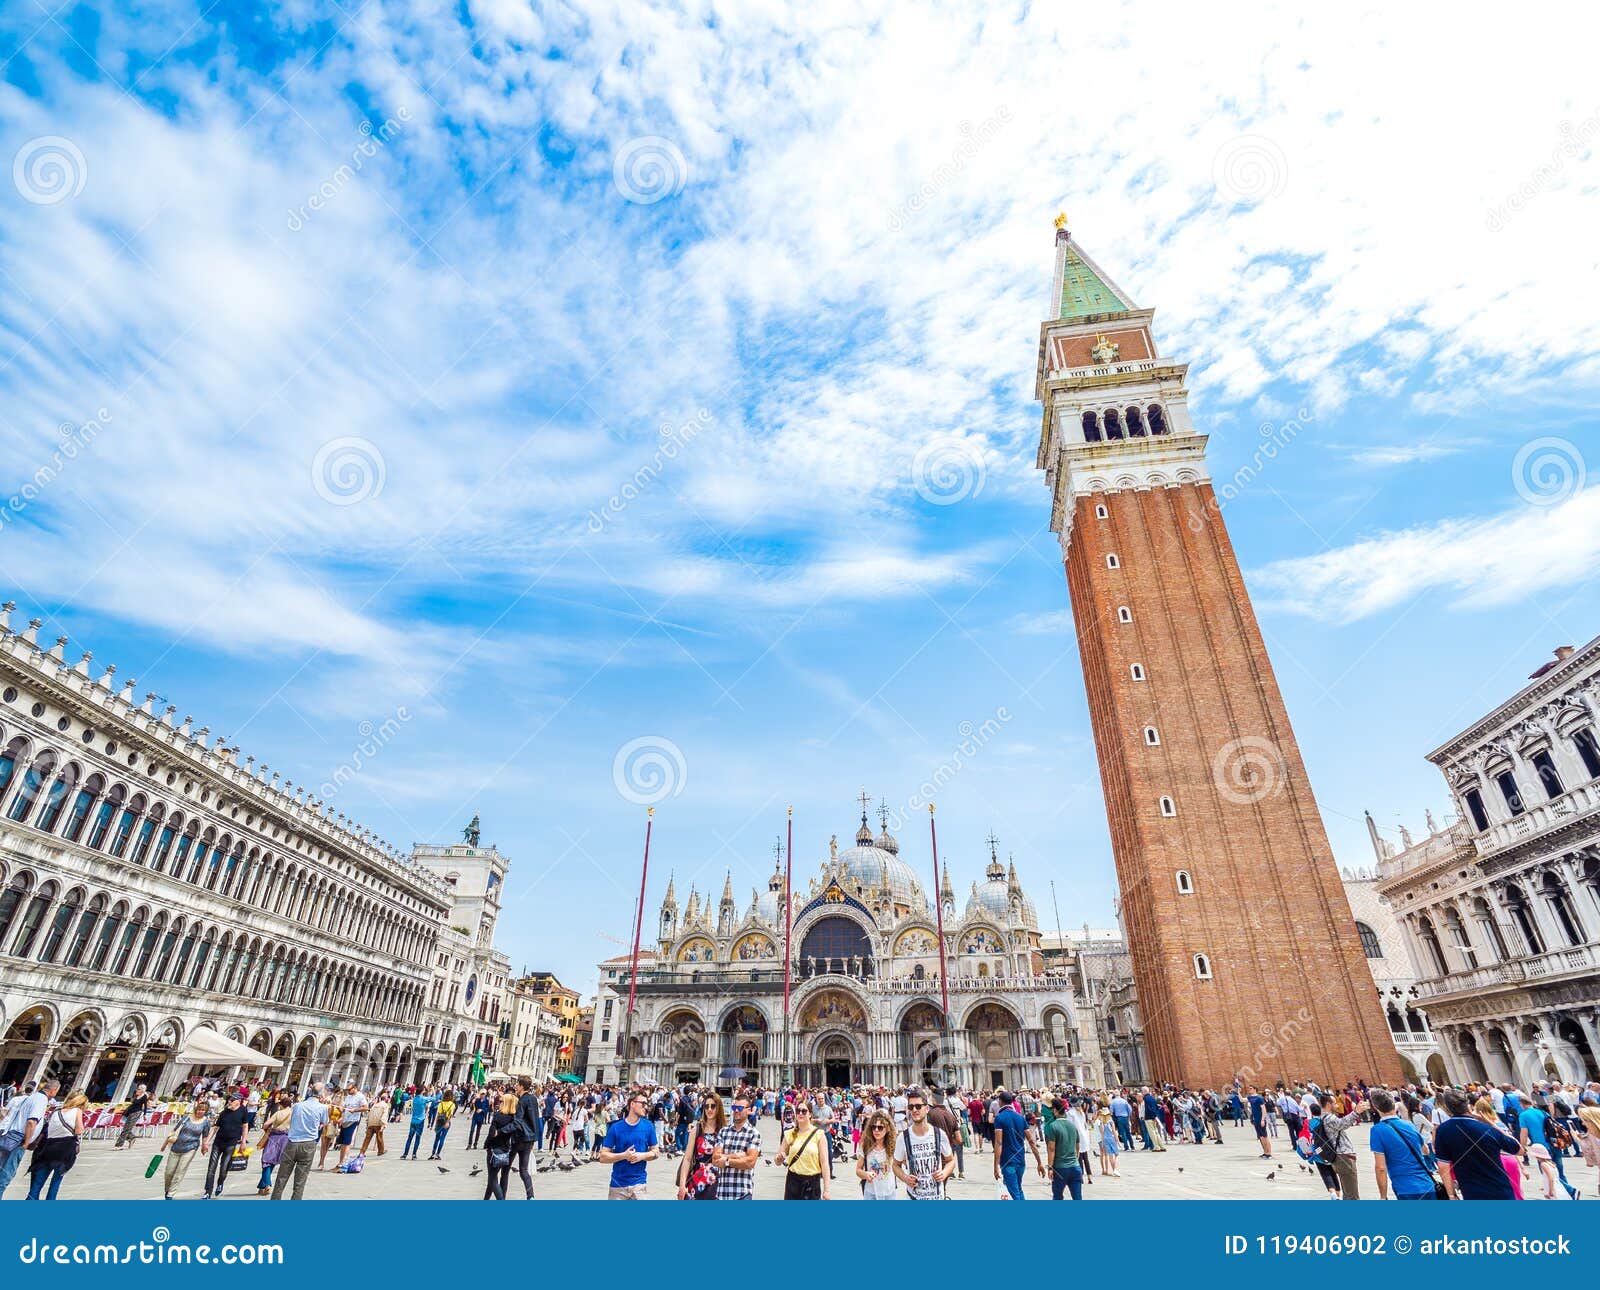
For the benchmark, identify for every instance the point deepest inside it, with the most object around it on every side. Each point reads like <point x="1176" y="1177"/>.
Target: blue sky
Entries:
<point x="540" y="380"/>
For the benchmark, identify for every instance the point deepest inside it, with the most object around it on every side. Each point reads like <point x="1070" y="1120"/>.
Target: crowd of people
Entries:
<point x="1480" y="1141"/>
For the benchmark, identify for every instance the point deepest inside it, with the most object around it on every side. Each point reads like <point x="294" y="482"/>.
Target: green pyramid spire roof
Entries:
<point x="1083" y="291"/>
<point x="1085" y="288"/>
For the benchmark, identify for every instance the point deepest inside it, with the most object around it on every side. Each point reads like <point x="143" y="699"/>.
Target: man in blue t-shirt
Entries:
<point x="1011" y="1143"/>
<point x="1397" y="1153"/>
<point x="1470" y="1151"/>
<point x="630" y="1143"/>
<point x="1258" y="1120"/>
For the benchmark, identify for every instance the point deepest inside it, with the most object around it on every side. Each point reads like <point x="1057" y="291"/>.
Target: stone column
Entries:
<point x="40" y="1064"/>
<point x="86" y="1068"/>
<point x="130" y="1068"/>
<point x="1589" y="1023"/>
<point x="169" y="1076"/>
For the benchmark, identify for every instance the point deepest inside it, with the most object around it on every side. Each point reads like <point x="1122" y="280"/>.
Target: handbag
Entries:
<point x="1440" y="1191"/>
<point x="499" y="1158"/>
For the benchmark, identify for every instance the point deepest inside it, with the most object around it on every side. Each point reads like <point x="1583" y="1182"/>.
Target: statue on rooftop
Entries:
<point x="472" y="832"/>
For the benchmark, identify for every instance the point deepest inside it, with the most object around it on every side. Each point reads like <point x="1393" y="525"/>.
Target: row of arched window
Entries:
<point x="1564" y="916"/>
<point x="1510" y="789"/>
<point x="1126" y="423"/>
<point x="138" y="943"/>
<point x="55" y="797"/>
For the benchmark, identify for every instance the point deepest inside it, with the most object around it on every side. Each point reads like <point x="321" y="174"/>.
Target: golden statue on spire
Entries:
<point x="1061" y="220"/>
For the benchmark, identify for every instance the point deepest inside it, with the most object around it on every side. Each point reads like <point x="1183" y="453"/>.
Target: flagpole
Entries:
<point x="633" y="967"/>
<point x="788" y="930"/>
<point x="938" y="904"/>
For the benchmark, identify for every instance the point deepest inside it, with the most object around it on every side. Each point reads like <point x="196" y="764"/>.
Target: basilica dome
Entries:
<point x="992" y="897"/>
<point x="868" y="865"/>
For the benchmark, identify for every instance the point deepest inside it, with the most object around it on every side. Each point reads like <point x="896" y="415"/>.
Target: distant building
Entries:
<point x="461" y="1018"/>
<point x="866" y="997"/>
<point x="532" y="1034"/>
<point x="610" y="1007"/>
<point x="1395" y="977"/>
<point x="563" y="1001"/>
<point x="583" y="1037"/>
<point x="1500" y="909"/>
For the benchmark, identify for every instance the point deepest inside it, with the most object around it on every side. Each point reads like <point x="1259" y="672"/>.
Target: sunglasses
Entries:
<point x="804" y="1113"/>
<point x="916" y="1106"/>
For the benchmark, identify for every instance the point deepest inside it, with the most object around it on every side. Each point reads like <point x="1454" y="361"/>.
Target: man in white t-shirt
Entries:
<point x="923" y="1157"/>
<point x="897" y="1108"/>
<point x="23" y="1121"/>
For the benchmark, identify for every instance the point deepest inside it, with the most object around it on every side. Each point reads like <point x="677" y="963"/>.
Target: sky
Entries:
<point x="551" y="411"/>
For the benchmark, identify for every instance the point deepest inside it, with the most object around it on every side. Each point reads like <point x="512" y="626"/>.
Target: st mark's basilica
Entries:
<point x="865" y="1002"/>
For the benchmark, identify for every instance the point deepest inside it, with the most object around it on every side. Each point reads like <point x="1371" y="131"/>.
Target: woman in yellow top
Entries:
<point x="804" y="1152"/>
<point x="441" y="1124"/>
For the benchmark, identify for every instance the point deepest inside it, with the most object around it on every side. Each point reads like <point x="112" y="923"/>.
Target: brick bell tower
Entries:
<point x="1245" y="951"/>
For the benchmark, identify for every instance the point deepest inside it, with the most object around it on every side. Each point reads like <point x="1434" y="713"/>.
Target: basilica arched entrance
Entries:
<point x="994" y="1036"/>
<point x="924" y="1046"/>
<point x="833" y="1030"/>
<point x="836" y="1056"/>
<point x="683" y="1045"/>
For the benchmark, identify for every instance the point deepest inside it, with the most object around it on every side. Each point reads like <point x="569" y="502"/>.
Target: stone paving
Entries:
<point x="1231" y="1171"/>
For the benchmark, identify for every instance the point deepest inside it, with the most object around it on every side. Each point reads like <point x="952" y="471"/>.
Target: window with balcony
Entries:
<point x="1507" y="783"/>
<point x="1588" y="751"/>
<point x="1474" y="801"/>
<point x="1549" y="779"/>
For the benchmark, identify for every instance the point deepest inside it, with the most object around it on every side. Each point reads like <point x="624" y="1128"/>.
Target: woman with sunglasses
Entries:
<point x="875" y="1159"/>
<point x="697" y="1174"/>
<point x="804" y="1153"/>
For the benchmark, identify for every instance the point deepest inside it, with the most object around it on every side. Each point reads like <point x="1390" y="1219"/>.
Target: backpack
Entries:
<point x="1322" y="1141"/>
<point x="1559" y="1134"/>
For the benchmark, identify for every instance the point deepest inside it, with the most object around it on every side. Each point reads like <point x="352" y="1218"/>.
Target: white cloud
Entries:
<point x="855" y="268"/>
<point x="1406" y="454"/>
<point x="1479" y="563"/>
<point x="1058" y="622"/>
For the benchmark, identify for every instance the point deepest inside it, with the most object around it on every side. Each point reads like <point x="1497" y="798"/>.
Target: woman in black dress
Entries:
<point x="500" y="1146"/>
